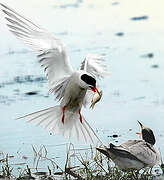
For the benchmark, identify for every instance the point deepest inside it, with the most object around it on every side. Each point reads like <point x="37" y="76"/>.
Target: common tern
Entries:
<point x="72" y="88"/>
<point x="134" y="154"/>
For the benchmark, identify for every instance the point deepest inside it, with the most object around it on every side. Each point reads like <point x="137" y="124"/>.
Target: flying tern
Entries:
<point x="72" y="88"/>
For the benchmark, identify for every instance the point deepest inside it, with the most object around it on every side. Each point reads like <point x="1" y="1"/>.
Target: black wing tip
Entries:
<point x="3" y="5"/>
<point x="104" y="150"/>
<point x="4" y="11"/>
<point x="8" y="19"/>
<point x="112" y="145"/>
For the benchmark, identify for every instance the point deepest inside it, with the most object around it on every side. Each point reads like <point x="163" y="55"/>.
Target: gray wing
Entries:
<point x="130" y="143"/>
<point x="143" y="151"/>
<point x="93" y="64"/>
<point x="52" y="54"/>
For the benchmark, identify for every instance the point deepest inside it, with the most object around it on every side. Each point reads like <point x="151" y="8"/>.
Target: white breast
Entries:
<point x="74" y="94"/>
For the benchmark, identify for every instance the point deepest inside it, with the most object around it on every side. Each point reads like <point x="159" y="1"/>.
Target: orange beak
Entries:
<point x="139" y="133"/>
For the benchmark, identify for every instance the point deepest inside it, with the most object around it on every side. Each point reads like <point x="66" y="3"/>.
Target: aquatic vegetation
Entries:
<point x="80" y="164"/>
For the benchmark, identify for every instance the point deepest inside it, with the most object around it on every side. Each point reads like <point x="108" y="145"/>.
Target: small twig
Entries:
<point x="72" y="173"/>
<point x="100" y="166"/>
<point x="54" y="163"/>
<point x="49" y="170"/>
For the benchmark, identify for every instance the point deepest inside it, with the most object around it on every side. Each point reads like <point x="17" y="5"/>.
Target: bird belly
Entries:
<point x="126" y="164"/>
<point x="73" y="101"/>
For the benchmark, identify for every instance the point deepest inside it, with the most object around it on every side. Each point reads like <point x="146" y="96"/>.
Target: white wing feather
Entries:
<point x="50" y="119"/>
<point x="53" y="57"/>
<point x="93" y="64"/>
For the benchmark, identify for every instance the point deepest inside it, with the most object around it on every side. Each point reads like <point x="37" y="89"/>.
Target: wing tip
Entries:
<point x="3" y="5"/>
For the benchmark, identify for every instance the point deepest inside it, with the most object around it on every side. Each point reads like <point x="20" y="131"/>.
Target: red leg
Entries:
<point x="80" y="115"/>
<point x="63" y="114"/>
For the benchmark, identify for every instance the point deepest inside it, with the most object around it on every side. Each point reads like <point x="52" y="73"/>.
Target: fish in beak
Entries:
<point x="96" y="98"/>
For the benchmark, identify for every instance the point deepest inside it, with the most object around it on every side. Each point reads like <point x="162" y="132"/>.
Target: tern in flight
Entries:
<point x="71" y="88"/>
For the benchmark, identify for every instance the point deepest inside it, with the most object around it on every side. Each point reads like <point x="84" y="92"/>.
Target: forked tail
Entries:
<point x="51" y="119"/>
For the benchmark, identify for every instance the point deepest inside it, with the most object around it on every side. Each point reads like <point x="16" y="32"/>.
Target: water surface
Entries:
<point x="134" y="91"/>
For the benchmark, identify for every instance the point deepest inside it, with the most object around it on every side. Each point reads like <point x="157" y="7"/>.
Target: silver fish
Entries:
<point x="96" y="98"/>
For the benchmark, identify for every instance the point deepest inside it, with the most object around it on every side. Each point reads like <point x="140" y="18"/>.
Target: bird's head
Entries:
<point x="88" y="82"/>
<point x="147" y="134"/>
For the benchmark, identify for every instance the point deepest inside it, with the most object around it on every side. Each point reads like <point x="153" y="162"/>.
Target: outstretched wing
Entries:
<point x="93" y="64"/>
<point x="52" y="54"/>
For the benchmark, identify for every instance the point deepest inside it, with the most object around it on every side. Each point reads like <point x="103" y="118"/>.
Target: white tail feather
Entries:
<point x="51" y="119"/>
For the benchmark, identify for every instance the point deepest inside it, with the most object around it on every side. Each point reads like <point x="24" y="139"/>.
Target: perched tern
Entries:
<point x="135" y="154"/>
<point x="72" y="88"/>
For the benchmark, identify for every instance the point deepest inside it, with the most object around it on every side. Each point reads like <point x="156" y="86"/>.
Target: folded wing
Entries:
<point x="145" y="152"/>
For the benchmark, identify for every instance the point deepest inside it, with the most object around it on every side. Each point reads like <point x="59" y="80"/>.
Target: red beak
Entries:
<point x="94" y="89"/>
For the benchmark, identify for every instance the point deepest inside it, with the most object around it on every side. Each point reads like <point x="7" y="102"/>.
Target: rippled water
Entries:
<point x="134" y="55"/>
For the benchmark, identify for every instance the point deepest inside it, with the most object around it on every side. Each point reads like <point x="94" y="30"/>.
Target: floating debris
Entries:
<point x="31" y="93"/>
<point x="139" y="18"/>
<point x="155" y="66"/>
<point x="64" y="33"/>
<point x="139" y="98"/>
<point x="16" y="90"/>
<point x="119" y="34"/>
<point x="114" y="136"/>
<point x="24" y="157"/>
<point x="149" y="55"/>
<point x="70" y="5"/>
<point x="12" y="51"/>
<point x="28" y="78"/>
<point x="115" y="3"/>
